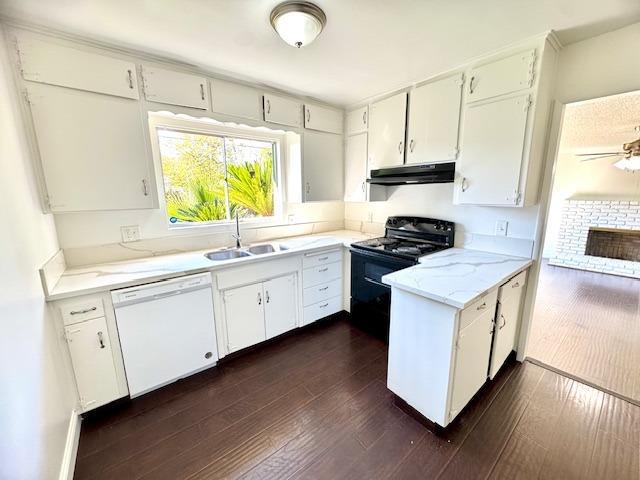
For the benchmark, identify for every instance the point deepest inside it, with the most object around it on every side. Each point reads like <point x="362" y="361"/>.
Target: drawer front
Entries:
<point x="481" y="306"/>
<point x="322" y="309"/>
<point x="514" y="287"/>
<point x="81" y="310"/>
<point x="329" y="256"/>
<point x="321" y="274"/>
<point x="321" y="292"/>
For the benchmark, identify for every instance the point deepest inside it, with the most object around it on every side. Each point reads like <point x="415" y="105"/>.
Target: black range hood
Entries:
<point x="414" y="174"/>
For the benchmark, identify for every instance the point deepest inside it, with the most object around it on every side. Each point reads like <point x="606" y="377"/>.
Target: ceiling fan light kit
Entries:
<point x="298" y="23"/>
<point x="630" y="161"/>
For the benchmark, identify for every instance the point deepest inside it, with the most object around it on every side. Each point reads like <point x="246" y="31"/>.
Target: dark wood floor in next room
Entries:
<point x="314" y="405"/>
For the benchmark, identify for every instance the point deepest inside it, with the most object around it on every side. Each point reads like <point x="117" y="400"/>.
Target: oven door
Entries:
<point x="370" y="298"/>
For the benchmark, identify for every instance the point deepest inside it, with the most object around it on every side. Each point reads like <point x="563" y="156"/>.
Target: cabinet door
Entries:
<point x="434" y="119"/>
<point x="244" y="316"/>
<point x="506" y="323"/>
<point x="68" y="67"/>
<point x="237" y="100"/>
<point x="493" y="148"/>
<point x="504" y="76"/>
<point x="322" y="166"/>
<point x="281" y="110"/>
<point x="471" y="361"/>
<point x="92" y="361"/>
<point x="323" y="119"/>
<point x="175" y="88"/>
<point x="357" y="120"/>
<point x="386" y="132"/>
<point x="281" y="306"/>
<point x="92" y="149"/>
<point x="355" y="182"/>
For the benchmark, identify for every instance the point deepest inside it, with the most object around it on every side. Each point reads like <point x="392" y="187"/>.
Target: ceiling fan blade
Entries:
<point x="598" y="153"/>
<point x="609" y="155"/>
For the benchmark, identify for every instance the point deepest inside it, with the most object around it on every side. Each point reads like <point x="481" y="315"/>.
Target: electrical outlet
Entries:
<point x="130" y="233"/>
<point x="291" y="218"/>
<point x="501" y="228"/>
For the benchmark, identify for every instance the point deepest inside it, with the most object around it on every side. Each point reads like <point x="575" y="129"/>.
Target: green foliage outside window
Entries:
<point x="210" y="178"/>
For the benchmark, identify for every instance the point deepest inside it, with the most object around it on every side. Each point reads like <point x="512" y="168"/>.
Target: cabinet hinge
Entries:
<point x="527" y="103"/>
<point x="25" y="95"/>
<point x="461" y="80"/>
<point x="516" y="197"/>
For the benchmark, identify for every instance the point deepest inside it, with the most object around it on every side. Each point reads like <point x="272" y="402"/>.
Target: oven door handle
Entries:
<point x="375" y="282"/>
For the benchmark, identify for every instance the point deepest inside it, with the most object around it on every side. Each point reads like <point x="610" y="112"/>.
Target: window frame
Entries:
<point x="207" y="126"/>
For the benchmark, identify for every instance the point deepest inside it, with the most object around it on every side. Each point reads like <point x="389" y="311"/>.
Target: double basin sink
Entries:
<point x="231" y="253"/>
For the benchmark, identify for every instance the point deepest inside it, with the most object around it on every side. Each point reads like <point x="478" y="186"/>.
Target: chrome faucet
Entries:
<point x="237" y="234"/>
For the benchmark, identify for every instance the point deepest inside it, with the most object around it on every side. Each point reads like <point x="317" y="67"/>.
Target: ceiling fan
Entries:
<point x="630" y="155"/>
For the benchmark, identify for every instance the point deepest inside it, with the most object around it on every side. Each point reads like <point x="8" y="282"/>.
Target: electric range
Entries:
<point x="406" y="239"/>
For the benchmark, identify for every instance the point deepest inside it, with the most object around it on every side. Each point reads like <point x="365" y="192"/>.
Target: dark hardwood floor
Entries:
<point x="314" y="405"/>
<point x="587" y="325"/>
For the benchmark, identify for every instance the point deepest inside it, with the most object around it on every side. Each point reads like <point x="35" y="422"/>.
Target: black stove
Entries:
<point x="411" y="237"/>
<point x="406" y="239"/>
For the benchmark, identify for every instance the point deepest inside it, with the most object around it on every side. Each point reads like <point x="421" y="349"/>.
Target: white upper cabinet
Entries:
<point x="280" y="306"/>
<point x="357" y="120"/>
<point x="322" y="166"/>
<point x="493" y="149"/>
<point x="323" y="119"/>
<point x="175" y="88"/>
<point x="92" y="148"/>
<point x="355" y="171"/>
<point x="507" y="75"/>
<point x="281" y="110"/>
<point x="387" y="131"/>
<point x="434" y="120"/>
<point x="74" y="68"/>
<point x="237" y="100"/>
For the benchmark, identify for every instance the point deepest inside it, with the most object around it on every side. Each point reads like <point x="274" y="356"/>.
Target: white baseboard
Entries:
<point x="71" y="447"/>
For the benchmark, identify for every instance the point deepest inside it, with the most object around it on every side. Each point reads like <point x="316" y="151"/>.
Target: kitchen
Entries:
<point x="368" y="256"/>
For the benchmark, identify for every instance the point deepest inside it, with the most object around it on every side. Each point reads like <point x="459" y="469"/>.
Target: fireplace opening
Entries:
<point x="613" y="243"/>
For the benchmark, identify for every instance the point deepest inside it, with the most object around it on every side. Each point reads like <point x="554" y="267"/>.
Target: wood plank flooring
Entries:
<point x="588" y="325"/>
<point x="314" y="405"/>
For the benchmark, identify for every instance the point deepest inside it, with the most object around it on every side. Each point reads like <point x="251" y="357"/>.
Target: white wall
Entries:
<point x="600" y="66"/>
<point x="37" y="394"/>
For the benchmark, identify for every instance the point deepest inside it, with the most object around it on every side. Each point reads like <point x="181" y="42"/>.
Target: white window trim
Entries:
<point x="208" y="126"/>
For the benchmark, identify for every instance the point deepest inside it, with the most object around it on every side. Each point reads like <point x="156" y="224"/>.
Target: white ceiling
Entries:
<point x="368" y="46"/>
<point x="601" y="125"/>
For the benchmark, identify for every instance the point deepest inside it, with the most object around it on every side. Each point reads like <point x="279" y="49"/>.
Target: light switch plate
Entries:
<point x="130" y="233"/>
<point x="501" y="228"/>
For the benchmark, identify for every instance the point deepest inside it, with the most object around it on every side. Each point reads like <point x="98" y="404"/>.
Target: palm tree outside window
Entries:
<point x="209" y="177"/>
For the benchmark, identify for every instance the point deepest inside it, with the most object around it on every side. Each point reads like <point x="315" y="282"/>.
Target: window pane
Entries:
<point x="194" y="176"/>
<point x="250" y="177"/>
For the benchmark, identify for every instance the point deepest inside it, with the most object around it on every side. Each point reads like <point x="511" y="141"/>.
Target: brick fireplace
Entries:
<point x="600" y="236"/>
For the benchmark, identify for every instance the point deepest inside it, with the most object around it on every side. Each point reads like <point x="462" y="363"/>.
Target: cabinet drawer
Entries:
<point x="321" y="258"/>
<point x="321" y="274"/>
<point x="481" y="306"/>
<point x="513" y="287"/>
<point x="80" y="310"/>
<point x="321" y="292"/>
<point x="322" y="309"/>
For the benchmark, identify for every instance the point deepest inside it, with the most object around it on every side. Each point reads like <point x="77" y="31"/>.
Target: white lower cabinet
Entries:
<point x="473" y="348"/>
<point x="93" y="364"/>
<point x="244" y="315"/>
<point x="257" y="312"/>
<point x="322" y="282"/>
<point x="280" y="307"/>
<point x="507" y="321"/>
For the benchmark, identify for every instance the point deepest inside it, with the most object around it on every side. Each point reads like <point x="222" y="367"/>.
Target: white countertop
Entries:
<point x="457" y="276"/>
<point x="109" y="276"/>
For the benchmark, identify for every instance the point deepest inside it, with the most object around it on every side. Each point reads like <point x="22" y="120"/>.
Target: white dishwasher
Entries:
<point x="166" y="330"/>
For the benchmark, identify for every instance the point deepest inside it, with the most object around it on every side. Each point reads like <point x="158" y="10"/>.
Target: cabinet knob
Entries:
<point x="364" y="117"/>
<point x="268" y="103"/>
<point x="101" y="340"/>
<point x="412" y="144"/>
<point x="202" y="91"/>
<point x="259" y="299"/>
<point x="145" y="188"/>
<point x="130" y="74"/>
<point x="267" y="296"/>
<point x="504" y="322"/>
<point x="464" y="185"/>
<point x="400" y="146"/>
<point x="471" y="86"/>
<point x="308" y="115"/>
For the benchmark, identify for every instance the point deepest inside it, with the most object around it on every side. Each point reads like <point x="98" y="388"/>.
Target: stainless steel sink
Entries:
<point x="261" y="249"/>
<point x="226" y="254"/>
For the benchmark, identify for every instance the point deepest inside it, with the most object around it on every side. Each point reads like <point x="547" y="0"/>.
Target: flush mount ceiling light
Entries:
<point x="298" y="23"/>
